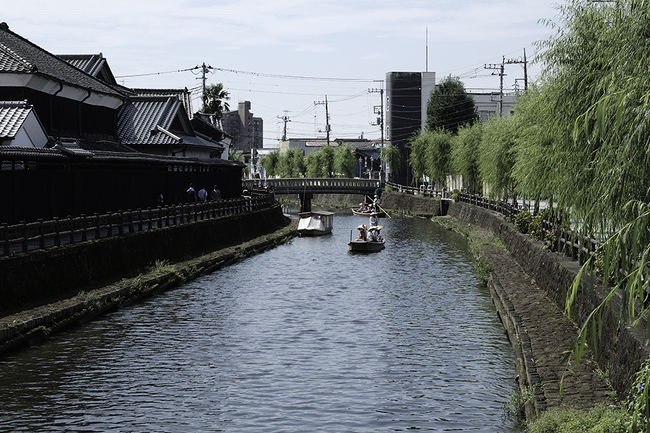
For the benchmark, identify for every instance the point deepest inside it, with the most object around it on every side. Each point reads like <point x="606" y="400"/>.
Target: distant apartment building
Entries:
<point x="407" y="94"/>
<point x="245" y="129"/>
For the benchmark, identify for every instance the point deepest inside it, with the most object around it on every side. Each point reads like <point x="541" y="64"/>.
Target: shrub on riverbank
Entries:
<point x="600" y="419"/>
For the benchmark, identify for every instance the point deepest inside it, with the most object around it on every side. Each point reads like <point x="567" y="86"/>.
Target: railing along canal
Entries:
<point x="328" y="185"/>
<point x="24" y="237"/>
<point x="563" y="239"/>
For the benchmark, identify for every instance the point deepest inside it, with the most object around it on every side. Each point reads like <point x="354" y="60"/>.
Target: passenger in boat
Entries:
<point x="373" y="234"/>
<point x="360" y="207"/>
<point x="362" y="233"/>
<point x="378" y="233"/>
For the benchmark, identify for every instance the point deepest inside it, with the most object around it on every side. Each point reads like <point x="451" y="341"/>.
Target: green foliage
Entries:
<point x="497" y="156"/>
<point x="522" y="221"/>
<point x="313" y="166"/>
<point x="450" y="107"/>
<point x="430" y="155"/>
<point x="344" y="161"/>
<point x="390" y="154"/>
<point x="515" y="407"/>
<point x="600" y="419"/>
<point x="464" y="156"/>
<point x="637" y="402"/>
<point x="291" y="164"/>
<point x="326" y="158"/>
<point x="535" y="227"/>
<point x="270" y="163"/>
<point x="214" y="100"/>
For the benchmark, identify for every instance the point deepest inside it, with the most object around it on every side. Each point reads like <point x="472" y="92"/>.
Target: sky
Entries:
<point x="284" y="56"/>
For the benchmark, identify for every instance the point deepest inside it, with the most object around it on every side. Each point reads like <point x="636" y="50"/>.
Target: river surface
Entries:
<point x="303" y="338"/>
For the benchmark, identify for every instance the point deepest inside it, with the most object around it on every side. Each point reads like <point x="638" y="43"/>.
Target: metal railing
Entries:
<point x="24" y="237"/>
<point x="423" y="190"/>
<point x="324" y="185"/>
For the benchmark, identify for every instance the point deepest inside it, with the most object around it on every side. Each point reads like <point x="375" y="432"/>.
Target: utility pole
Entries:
<point x="521" y="61"/>
<point x="204" y="70"/>
<point x="327" y="118"/>
<point x="380" y="122"/>
<point x="285" y="119"/>
<point x="501" y="74"/>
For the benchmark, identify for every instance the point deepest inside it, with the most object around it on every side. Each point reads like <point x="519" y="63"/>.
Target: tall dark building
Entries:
<point x="407" y="94"/>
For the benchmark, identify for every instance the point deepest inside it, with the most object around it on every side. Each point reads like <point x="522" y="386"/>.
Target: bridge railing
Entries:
<point x="297" y="185"/>
<point x="40" y="234"/>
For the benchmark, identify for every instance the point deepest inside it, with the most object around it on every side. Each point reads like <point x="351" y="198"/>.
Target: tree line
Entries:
<point x="327" y="162"/>
<point x="580" y="139"/>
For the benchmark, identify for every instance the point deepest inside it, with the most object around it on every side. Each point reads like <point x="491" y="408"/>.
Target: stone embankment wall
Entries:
<point x="622" y="348"/>
<point x="413" y="204"/>
<point x="34" y="278"/>
<point x="35" y="324"/>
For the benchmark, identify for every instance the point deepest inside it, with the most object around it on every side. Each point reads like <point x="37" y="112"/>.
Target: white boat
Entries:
<point x="315" y="223"/>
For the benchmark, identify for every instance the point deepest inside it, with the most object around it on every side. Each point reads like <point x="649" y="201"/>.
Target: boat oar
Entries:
<point x="380" y="208"/>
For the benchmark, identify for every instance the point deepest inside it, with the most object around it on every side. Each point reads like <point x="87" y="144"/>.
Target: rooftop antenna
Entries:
<point x="427" y="51"/>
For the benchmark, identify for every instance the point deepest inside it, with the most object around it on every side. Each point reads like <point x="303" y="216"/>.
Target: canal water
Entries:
<point x="303" y="338"/>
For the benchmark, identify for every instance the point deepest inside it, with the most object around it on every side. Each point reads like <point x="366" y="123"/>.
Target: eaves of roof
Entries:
<point x="18" y="55"/>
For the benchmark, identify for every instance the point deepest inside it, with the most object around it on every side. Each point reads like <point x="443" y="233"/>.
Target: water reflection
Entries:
<point x="302" y="338"/>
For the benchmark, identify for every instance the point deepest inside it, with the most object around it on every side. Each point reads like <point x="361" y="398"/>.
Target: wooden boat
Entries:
<point x="361" y="246"/>
<point x="380" y="214"/>
<point x="315" y="223"/>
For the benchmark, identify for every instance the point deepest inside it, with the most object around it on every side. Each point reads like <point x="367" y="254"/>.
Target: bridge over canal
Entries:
<point x="306" y="188"/>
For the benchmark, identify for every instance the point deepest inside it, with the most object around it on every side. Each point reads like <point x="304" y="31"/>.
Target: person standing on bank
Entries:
<point x="203" y="195"/>
<point x="215" y="194"/>
<point x="191" y="194"/>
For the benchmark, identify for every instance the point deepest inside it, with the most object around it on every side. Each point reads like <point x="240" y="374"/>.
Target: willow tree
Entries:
<point x="464" y="156"/>
<point x="598" y="84"/>
<point x="344" y="161"/>
<point x="417" y="157"/>
<point x="535" y="143"/>
<point x="497" y="156"/>
<point x="391" y="156"/>
<point x="438" y="156"/>
<point x="270" y="162"/>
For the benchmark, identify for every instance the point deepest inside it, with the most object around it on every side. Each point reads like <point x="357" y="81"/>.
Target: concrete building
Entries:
<point x="407" y="94"/>
<point x="487" y="103"/>
<point x="247" y="131"/>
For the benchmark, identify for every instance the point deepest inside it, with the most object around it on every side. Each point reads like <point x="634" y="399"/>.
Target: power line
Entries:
<point x="156" y="73"/>
<point x="298" y="77"/>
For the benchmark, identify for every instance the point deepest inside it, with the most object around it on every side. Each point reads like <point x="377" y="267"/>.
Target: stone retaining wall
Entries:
<point x="44" y="276"/>
<point x="622" y="349"/>
<point x="33" y="325"/>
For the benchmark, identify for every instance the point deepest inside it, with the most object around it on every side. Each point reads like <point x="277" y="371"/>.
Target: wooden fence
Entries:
<point x="23" y="237"/>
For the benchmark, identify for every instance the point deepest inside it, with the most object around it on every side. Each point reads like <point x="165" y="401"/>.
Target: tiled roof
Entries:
<point x="89" y="63"/>
<point x="12" y="62"/>
<point x="19" y="53"/>
<point x="142" y="118"/>
<point x="183" y="95"/>
<point x="12" y="116"/>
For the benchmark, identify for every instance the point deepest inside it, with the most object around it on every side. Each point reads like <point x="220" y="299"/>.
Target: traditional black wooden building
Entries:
<point x="84" y="165"/>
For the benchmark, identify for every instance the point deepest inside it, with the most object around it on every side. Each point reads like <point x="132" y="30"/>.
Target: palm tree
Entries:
<point x="214" y="100"/>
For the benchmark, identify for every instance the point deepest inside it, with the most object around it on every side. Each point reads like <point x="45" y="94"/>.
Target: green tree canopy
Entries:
<point x="215" y="100"/>
<point x="497" y="156"/>
<point x="464" y="156"/>
<point x="391" y="156"/>
<point x="438" y="156"/>
<point x="450" y="106"/>
<point x="344" y="161"/>
<point x="270" y="163"/>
